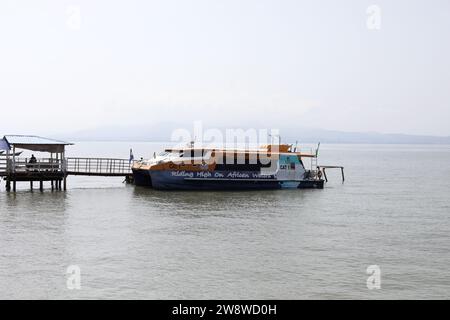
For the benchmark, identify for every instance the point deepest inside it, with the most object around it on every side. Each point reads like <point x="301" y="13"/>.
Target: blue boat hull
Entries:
<point x="142" y="178"/>
<point x="170" y="180"/>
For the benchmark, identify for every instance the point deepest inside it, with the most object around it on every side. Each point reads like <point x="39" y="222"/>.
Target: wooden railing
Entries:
<point x="70" y="166"/>
<point x="98" y="166"/>
<point x="3" y="165"/>
<point x="24" y="165"/>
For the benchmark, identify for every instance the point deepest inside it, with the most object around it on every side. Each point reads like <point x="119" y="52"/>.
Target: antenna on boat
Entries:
<point x="273" y="136"/>
<point x="192" y="143"/>
<point x="317" y="150"/>
<point x="295" y="148"/>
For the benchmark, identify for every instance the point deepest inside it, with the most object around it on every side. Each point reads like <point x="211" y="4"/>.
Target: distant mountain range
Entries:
<point x="163" y="132"/>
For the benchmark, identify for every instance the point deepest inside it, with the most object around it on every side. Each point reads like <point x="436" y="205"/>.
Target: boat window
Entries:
<point x="192" y="153"/>
<point x="247" y="166"/>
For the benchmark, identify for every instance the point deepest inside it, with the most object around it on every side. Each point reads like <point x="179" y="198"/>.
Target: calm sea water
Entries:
<point x="393" y="211"/>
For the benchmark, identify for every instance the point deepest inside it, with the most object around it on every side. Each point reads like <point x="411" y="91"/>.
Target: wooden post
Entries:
<point x="14" y="185"/>
<point x="63" y="161"/>
<point x="325" y="175"/>
<point x="41" y="185"/>
<point x="65" y="183"/>
<point x="31" y="185"/>
<point x="8" y="184"/>
<point x="14" y="159"/>
<point x="8" y="162"/>
<point x="342" y="172"/>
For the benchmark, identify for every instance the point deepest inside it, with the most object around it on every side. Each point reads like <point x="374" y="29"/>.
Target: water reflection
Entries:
<point x="33" y="203"/>
<point x="221" y="203"/>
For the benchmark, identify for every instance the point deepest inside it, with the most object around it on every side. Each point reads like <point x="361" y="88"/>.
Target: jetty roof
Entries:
<point x="35" y="143"/>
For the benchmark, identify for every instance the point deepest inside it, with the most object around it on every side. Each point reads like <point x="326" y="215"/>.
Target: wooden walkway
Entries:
<point x="57" y="171"/>
<point x="103" y="167"/>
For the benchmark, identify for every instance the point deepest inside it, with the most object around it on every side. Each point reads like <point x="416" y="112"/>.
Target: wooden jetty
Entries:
<point x="323" y="169"/>
<point x="55" y="168"/>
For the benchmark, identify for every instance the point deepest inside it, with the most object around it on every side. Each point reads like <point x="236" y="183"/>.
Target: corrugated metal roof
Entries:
<point x="33" y="140"/>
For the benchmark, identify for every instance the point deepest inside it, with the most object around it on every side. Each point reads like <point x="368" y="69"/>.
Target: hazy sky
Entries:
<point x="72" y="65"/>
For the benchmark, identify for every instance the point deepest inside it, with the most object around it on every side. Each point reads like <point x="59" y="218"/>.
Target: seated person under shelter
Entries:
<point x="32" y="161"/>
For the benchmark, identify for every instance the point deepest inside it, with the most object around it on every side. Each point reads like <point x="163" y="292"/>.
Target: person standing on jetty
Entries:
<point x="131" y="156"/>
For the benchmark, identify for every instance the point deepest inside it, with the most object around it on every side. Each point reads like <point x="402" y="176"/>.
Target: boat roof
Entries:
<point x="282" y="150"/>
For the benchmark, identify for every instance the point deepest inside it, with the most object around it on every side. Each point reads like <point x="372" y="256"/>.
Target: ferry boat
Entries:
<point x="269" y="167"/>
